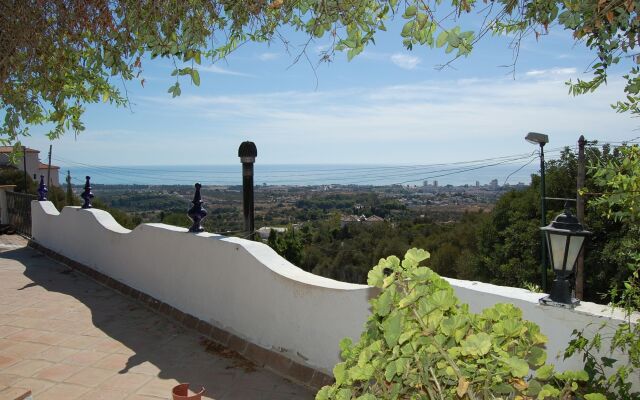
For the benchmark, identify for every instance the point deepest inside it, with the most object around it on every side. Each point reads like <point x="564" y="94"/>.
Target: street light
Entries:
<point x="541" y="139"/>
<point x="565" y="237"/>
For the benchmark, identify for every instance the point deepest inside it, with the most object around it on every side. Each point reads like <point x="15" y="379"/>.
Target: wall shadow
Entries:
<point x="147" y="342"/>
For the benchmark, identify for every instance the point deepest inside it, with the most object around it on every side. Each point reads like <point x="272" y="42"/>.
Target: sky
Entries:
<point x="386" y="106"/>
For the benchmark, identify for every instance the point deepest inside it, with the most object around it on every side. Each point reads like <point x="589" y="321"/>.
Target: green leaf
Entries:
<point x="537" y="357"/>
<point x="595" y="396"/>
<point x="392" y="327"/>
<point x="407" y="28"/>
<point x="443" y="299"/>
<point x="417" y="255"/>
<point x="343" y="394"/>
<point x="323" y="394"/>
<point x="442" y="38"/>
<point x="407" y="335"/>
<point x="383" y="303"/>
<point x="545" y="372"/>
<point x="375" y="277"/>
<point x="477" y="344"/>
<point x="340" y="373"/>
<point x="361" y="373"/>
<point x="410" y="11"/>
<point x="453" y="40"/>
<point x="390" y="371"/>
<point x="195" y="77"/>
<point x="388" y="281"/>
<point x="519" y="367"/>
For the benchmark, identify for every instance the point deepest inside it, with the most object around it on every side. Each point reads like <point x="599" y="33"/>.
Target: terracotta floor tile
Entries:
<point x="26" y="335"/>
<point x="37" y="386"/>
<point x="6" y="343"/>
<point x="24" y="350"/>
<point x="26" y="322"/>
<point x="50" y="338"/>
<point x="82" y="342"/>
<point x="104" y="394"/>
<point x="8" y="379"/>
<point x="27" y="368"/>
<point x="113" y="362"/>
<point x="85" y="357"/>
<point x="58" y="373"/>
<point x="70" y="327"/>
<point x="32" y="312"/>
<point x="145" y="368"/>
<point x="7" y="361"/>
<point x="56" y="354"/>
<point x="6" y="330"/>
<point x="126" y="382"/>
<point x="90" y="377"/>
<point x="12" y="393"/>
<point x="63" y="391"/>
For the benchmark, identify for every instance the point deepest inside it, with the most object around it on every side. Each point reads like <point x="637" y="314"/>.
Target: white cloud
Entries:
<point x="406" y="118"/>
<point x="405" y="61"/>
<point x="268" y="56"/>
<point x="557" y="71"/>
<point x="216" y="69"/>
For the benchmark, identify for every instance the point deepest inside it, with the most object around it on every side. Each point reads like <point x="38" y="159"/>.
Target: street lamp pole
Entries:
<point x="543" y="219"/>
<point x="541" y="139"/>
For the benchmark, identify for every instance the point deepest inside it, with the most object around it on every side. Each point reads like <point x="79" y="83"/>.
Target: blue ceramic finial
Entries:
<point x="197" y="213"/>
<point x="87" y="195"/>
<point x="42" y="190"/>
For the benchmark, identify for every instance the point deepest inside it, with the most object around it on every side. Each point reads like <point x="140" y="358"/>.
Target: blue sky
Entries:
<point x="387" y="106"/>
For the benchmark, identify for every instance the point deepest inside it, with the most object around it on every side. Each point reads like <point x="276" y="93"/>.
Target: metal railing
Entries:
<point x="19" y="209"/>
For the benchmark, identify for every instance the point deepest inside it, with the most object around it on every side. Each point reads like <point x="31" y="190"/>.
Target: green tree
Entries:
<point x="619" y="200"/>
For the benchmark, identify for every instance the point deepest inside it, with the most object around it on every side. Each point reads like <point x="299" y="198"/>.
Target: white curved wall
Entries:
<point x="241" y="286"/>
<point x="246" y="288"/>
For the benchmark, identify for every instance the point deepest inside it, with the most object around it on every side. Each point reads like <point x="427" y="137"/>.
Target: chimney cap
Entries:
<point x="247" y="149"/>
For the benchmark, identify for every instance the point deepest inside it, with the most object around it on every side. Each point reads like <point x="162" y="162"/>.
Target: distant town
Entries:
<point x="282" y="205"/>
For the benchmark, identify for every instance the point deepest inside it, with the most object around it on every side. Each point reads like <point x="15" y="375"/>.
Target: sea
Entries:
<point x="510" y="173"/>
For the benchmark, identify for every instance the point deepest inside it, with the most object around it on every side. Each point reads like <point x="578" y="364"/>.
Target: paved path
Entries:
<point x="64" y="336"/>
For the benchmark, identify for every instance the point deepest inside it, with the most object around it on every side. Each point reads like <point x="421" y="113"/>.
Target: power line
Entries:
<point x="509" y="176"/>
<point x="375" y="174"/>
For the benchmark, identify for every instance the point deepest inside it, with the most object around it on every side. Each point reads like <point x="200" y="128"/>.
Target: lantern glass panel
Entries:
<point x="574" y="249"/>
<point x="557" y="244"/>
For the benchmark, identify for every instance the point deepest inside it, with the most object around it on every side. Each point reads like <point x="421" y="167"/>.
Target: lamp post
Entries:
<point x="248" y="153"/>
<point x="565" y="237"/>
<point x="541" y="139"/>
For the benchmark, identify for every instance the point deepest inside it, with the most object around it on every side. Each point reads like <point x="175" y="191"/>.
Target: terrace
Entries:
<point x="64" y="336"/>
<point x="226" y="313"/>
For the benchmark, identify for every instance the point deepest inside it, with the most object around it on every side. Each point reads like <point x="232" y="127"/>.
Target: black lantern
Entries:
<point x="565" y="238"/>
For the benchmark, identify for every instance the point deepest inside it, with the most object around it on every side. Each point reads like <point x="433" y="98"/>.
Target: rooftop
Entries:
<point x="64" y="336"/>
<point x="46" y="166"/>
<point x="9" y="149"/>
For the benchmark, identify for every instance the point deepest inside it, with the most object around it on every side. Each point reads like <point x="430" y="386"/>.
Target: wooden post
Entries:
<point x="580" y="215"/>
<point x="24" y="163"/>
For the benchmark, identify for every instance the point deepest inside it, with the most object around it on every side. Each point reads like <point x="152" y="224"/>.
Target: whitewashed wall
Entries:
<point x="246" y="288"/>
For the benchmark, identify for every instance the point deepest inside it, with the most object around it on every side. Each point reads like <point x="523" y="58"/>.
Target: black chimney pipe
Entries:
<point x="248" y="153"/>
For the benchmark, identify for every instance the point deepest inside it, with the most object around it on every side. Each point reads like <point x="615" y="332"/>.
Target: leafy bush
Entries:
<point x="421" y="343"/>
<point x="619" y="202"/>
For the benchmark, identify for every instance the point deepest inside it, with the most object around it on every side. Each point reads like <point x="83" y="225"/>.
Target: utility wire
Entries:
<point x="383" y="172"/>
<point x="297" y="172"/>
<point x="509" y="176"/>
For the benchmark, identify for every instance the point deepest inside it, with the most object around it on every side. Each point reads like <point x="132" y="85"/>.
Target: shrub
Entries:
<point x="421" y="343"/>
